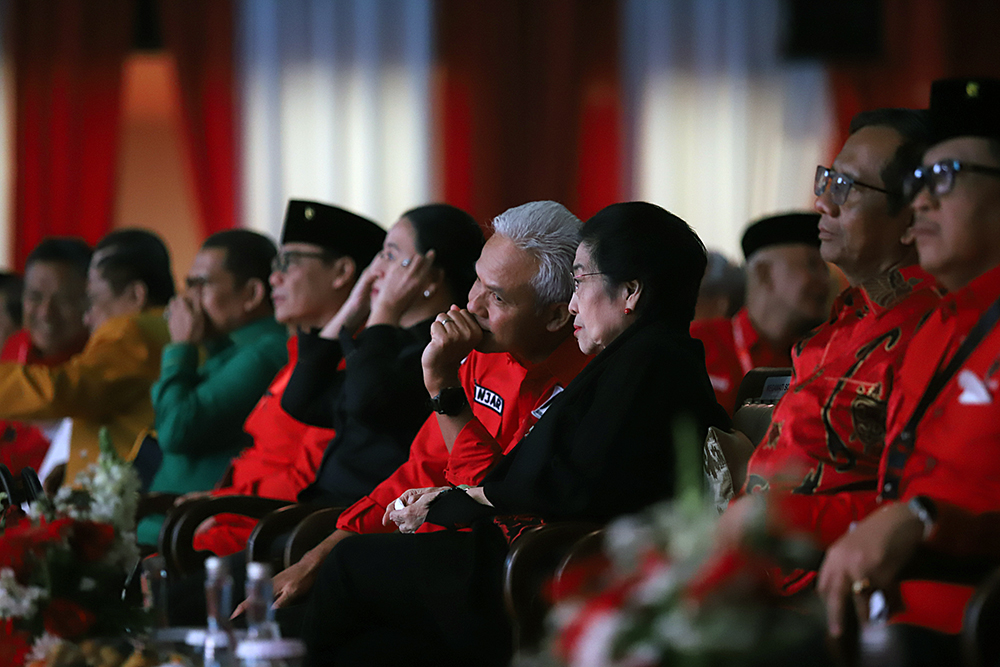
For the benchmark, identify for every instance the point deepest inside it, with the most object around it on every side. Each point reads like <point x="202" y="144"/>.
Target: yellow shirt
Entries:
<point x="107" y="384"/>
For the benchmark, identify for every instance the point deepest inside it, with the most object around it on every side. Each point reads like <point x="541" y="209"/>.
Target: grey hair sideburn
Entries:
<point x="550" y="233"/>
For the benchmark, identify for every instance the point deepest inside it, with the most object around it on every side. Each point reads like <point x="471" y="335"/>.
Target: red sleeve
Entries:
<point x="474" y="453"/>
<point x="823" y="517"/>
<point x="424" y="468"/>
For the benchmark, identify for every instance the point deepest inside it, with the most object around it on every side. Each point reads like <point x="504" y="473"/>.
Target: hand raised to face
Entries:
<point x="454" y="334"/>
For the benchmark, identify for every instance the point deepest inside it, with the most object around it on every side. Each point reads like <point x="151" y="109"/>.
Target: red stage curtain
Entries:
<point x="199" y="34"/>
<point x="924" y="40"/>
<point x="68" y="57"/>
<point x="530" y="104"/>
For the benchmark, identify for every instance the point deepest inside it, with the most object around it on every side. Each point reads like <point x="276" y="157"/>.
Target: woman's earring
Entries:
<point x="628" y="311"/>
<point x="427" y="294"/>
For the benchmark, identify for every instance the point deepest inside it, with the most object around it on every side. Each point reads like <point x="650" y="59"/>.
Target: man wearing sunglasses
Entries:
<point x="817" y="467"/>
<point x="939" y="478"/>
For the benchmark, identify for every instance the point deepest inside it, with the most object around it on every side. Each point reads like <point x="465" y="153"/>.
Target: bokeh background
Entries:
<point x="191" y="116"/>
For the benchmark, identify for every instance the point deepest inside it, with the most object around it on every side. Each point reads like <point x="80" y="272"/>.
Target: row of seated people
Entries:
<point x="824" y="464"/>
<point x="539" y="432"/>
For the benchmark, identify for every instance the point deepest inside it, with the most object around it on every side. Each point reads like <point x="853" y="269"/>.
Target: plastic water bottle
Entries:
<point x="260" y="601"/>
<point x="219" y="600"/>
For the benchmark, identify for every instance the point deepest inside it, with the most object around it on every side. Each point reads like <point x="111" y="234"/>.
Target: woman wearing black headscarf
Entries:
<point x="604" y="448"/>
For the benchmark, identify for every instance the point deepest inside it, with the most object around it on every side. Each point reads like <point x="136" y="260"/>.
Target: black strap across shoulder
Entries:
<point x="899" y="455"/>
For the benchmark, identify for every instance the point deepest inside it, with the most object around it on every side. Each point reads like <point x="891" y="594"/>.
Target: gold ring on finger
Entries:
<point x="861" y="586"/>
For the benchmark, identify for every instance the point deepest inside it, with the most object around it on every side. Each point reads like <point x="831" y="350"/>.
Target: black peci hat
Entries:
<point x="334" y="229"/>
<point x="968" y="107"/>
<point x="781" y="230"/>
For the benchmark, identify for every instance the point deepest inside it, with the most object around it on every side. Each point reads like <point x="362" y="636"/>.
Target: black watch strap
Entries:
<point x="451" y="401"/>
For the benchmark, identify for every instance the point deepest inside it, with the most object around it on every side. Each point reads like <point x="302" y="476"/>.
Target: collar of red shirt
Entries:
<point x="882" y="294"/>
<point x="563" y="364"/>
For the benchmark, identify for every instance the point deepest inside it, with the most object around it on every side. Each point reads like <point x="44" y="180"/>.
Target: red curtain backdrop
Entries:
<point x="68" y="57"/>
<point x="529" y="104"/>
<point x="924" y="40"/>
<point x="199" y="34"/>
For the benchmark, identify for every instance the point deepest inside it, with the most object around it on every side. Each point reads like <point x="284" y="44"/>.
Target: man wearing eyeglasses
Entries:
<point x="323" y="251"/>
<point x="788" y="286"/>
<point x="939" y="482"/>
<point x="225" y="313"/>
<point x="817" y="467"/>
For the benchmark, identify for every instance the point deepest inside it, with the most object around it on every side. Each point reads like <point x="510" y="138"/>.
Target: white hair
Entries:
<point x="548" y="231"/>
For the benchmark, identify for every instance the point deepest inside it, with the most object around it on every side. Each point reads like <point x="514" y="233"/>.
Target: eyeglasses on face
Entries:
<point x="577" y="281"/>
<point x="840" y="184"/>
<point x="287" y="258"/>
<point x="939" y="177"/>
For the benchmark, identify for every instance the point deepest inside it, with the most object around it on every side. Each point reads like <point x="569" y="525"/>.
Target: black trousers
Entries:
<point x="427" y="599"/>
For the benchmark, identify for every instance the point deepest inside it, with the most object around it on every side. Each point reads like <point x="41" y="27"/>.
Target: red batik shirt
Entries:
<point x="955" y="458"/>
<point x="821" y="455"/>
<point x="732" y="348"/>
<point x="507" y="399"/>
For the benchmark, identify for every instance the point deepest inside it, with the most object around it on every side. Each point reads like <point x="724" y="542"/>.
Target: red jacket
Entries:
<point x="506" y="398"/>
<point x="955" y="458"/>
<point x="283" y="459"/>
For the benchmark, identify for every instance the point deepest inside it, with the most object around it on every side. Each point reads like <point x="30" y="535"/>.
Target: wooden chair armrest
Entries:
<point x="533" y="558"/>
<point x="311" y="531"/>
<point x="176" y="540"/>
<point x="261" y="545"/>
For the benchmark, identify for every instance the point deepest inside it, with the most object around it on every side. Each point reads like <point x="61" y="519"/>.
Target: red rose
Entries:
<point x="90" y="540"/>
<point x="65" y="618"/>
<point x="19" y="542"/>
<point x="14" y="644"/>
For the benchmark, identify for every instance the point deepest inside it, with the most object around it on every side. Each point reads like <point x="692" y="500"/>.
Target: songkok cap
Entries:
<point x="781" y="230"/>
<point x="965" y="108"/>
<point x="334" y="229"/>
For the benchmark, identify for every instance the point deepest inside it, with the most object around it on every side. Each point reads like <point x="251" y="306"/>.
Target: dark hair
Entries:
<point x="11" y="286"/>
<point x="726" y="279"/>
<point x="457" y="241"/>
<point x="911" y="124"/>
<point x="128" y="255"/>
<point x="641" y="241"/>
<point x="248" y="255"/>
<point x="71" y="251"/>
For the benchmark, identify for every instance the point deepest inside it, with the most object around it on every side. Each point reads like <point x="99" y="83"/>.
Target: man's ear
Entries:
<point x="557" y="316"/>
<point x="632" y="291"/>
<point x="140" y="294"/>
<point x="345" y="272"/>
<point x="254" y="293"/>
<point x="137" y="294"/>
<point x="762" y="273"/>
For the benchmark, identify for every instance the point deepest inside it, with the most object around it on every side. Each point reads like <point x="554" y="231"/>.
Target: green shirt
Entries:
<point x="200" y="409"/>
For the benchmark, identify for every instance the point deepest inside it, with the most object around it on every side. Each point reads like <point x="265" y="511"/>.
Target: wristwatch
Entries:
<point x="924" y="509"/>
<point x="450" y="401"/>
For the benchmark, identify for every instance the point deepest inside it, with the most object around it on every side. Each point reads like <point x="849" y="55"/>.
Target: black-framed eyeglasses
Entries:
<point x="840" y="184"/>
<point x="576" y="279"/>
<point x="283" y="260"/>
<point x="939" y="177"/>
